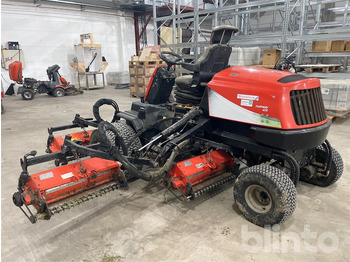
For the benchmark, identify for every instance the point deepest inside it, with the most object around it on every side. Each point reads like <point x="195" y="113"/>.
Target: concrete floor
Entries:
<point x="138" y="226"/>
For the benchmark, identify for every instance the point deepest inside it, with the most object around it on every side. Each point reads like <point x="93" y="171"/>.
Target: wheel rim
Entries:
<point x="59" y="93"/>
<point x="27" y="95"/>
<point x="258" y="199"/>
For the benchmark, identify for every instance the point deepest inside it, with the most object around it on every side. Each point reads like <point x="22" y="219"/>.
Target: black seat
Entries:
<point x="53" y="75"/>
<point x="189" y="88"/>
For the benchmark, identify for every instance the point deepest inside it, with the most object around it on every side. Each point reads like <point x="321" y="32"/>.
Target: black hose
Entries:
<point x="116" y="155"/>
<point x="150" y="175"/>
<point x="294" y="166"/>
<point x="105" y="101"/>
<point x="327" y="146"/>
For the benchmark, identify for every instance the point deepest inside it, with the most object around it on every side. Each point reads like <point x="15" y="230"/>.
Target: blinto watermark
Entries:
<point x="272" y="239"/>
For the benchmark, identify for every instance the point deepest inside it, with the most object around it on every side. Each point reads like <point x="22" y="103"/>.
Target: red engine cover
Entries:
<point x="68" y="180"/>
<point x="200" y="168"/>
<point x="257" y="96"/>
<point x="15" y="71"/>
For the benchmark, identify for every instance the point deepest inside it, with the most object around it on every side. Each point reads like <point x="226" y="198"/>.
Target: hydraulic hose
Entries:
<point x="294" y="166"/>
<point x="116" y="155"/>
<point x="105" y="101"/>
<point x="150" y="175"/>
<point x="327" y="146"/>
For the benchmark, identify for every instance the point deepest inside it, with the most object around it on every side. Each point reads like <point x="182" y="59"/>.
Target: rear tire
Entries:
<point x="265" y="195"/>
<point x="27" y="94"/>
<point x="58" y="92"/>
<point x="335" y="171"/>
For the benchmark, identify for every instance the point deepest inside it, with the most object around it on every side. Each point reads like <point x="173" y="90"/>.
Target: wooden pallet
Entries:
<point x="147" y="62"/>
<point x="337" y="113"/>
<point x="320" y="68"/>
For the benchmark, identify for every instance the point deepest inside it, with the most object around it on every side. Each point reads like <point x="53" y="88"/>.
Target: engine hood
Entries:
<point x="259" y="78"/>
<point x="262" y="97"/>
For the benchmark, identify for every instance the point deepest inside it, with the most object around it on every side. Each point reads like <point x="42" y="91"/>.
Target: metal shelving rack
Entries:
<point x="291" y="26"/>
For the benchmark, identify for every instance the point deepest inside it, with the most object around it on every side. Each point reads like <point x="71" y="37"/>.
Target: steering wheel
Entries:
<point x="285" y="64"/>
<point x="170" y="58"/>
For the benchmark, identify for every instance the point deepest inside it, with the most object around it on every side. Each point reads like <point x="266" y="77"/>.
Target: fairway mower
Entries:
<point x="260" y="130"/>
<point x="57" y="85"/>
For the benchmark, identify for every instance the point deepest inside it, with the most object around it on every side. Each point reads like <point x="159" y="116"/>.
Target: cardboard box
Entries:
<point x="271" y="56"/>
<point x="321" y="46"/>
<point x="132" y="80"/>
<point x="141" y="90"/>
<point x="133" y="89"/>
<point x="142" y="81"/>
<point x="146" y="70"/>
<point x="134" y="58"/>
<point x="141" y="70"/>
<point x="139" y="80"/>
<point x="150" y="53"/>
<point x="154" y="56"/>
<point x="347" y="46"/>
<point x="133" y="70"/>
<point x="338" y="45"/>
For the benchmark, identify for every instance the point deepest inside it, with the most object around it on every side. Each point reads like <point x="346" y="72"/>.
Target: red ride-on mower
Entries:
<point x="57" y="85"/>
<point x="257" y="129"/>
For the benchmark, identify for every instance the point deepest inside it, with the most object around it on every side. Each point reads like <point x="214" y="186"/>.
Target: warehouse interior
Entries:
<point x="225" y="83"/>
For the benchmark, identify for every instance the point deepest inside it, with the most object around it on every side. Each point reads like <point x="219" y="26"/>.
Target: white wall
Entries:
<point x="47" y="36"/>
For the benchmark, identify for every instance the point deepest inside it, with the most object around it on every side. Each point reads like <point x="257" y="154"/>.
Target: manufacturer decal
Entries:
<point x="67" y="175"/>
<point x="46" y="176"/>
<point x="264" y="108"/>
<point x="221" y="107"/>
<point x="269" y="121"/>
<point x="248" y="97"/>
<point x="187" y="163"/>
<point x="200" y="165"/>
<point x="247" y="103"/>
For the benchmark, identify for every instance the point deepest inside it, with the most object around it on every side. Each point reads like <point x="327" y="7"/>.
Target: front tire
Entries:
<point x="58" y="92"/>
<point x="128" y="135"/>
<point x="27" y="94"/>
<point x="125" y="131"/>
<point x="265" y="195"/>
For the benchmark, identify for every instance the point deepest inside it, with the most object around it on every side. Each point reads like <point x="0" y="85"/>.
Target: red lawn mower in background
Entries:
<point x="57" y="85"/>
<point x="258" y="130"/>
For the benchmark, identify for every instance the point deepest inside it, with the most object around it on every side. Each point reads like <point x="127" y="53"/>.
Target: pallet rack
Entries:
<point x="295" y="23"/>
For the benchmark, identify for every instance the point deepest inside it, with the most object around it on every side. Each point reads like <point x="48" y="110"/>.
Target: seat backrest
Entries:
<point x="213" y="60"/>
<point x="52" y="73"/>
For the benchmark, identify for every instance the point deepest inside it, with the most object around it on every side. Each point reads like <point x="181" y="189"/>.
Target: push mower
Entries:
<point x="57" y="85"/>
<point x="261" y="130"/>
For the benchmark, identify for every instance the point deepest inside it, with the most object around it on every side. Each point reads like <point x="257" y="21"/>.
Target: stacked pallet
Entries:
<point x="324" y="68"/>
<point x="336" y="96"/>
<point x="141" y="69"/>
